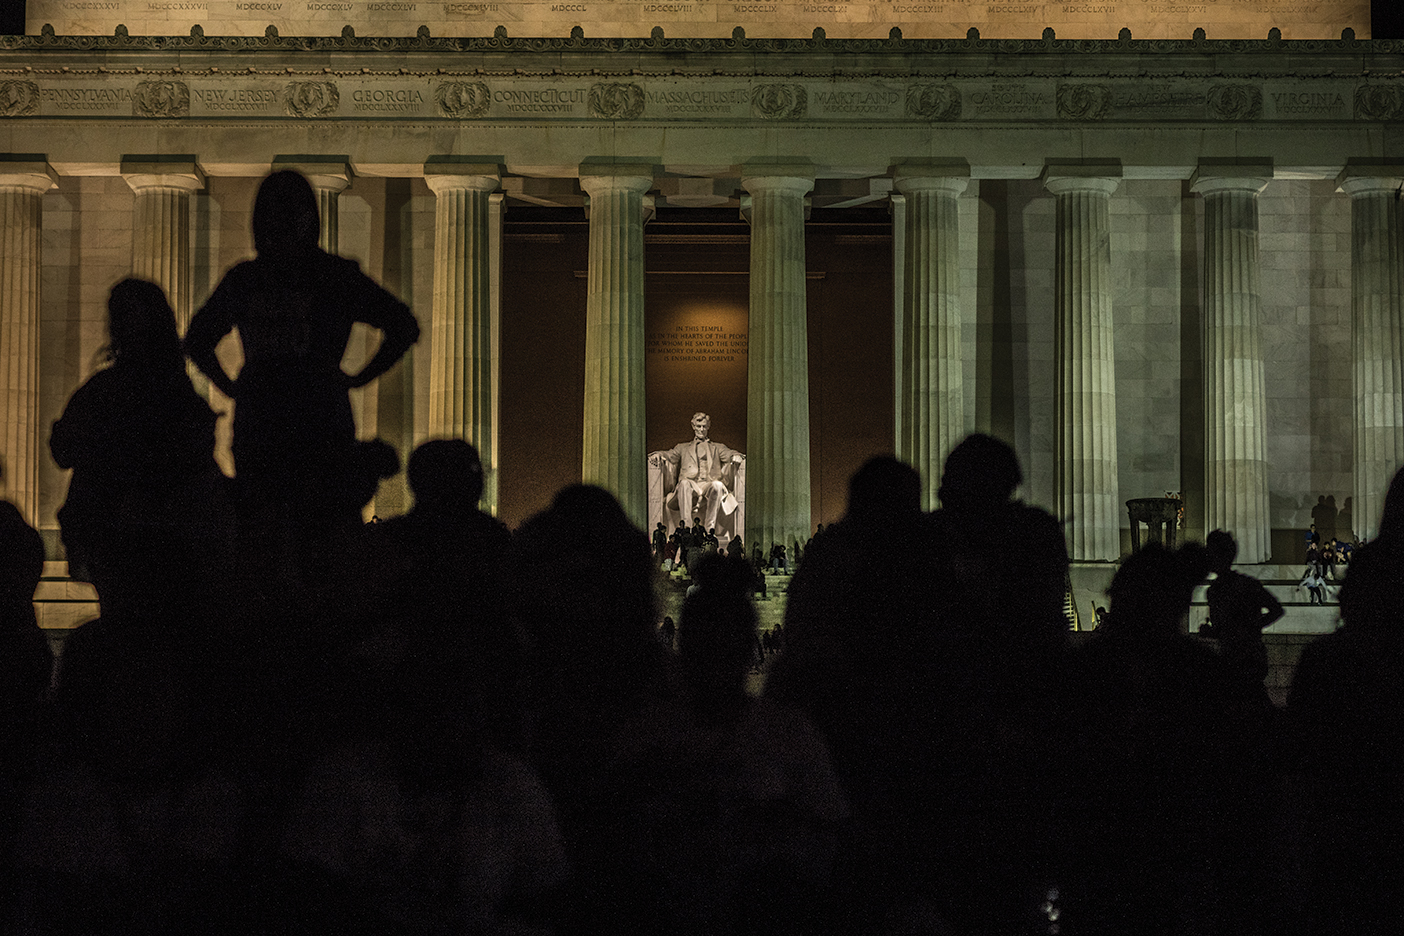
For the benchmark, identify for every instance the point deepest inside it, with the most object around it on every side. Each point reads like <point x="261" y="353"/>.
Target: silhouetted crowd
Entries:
<point x="287" y="721"/>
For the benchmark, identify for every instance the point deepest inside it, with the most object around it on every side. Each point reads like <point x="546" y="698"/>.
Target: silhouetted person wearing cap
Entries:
<point x="1149" y="708"/>
<point x="294" y="307"/>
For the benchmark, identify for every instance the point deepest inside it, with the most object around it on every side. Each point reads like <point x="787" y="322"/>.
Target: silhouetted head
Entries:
<point x="1372" y="596"/>
<point x="584" y="577"/>
<point x="141" y="326"/>
<point x="1151" y="592"/>
<point x="884" y="488"/>
<point x="1222" y="549"/>
<point x="717" y="634"/>
<point x="981" y="470"/>
<point x="446" y="474"/>
<point x="1392" y="520"/>
<point x="285" y="216"/>
<point x="369" y="462"/>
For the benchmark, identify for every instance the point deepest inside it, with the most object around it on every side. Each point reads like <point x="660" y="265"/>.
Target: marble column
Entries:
<point x="930" y="374"/>
<point x="462" y="336"/>
<point x="777" y="409"/>
<point x="1235" y="399"/>
<point x="161" y="225"/>
<point x="1085" y="467"/>
<point x="1377" y="335"/>
<point x="23" y="182"/>
<point x="614" y="454"/>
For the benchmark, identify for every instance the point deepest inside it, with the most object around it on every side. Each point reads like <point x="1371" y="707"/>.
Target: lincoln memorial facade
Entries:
<point x="1152" y="265"/>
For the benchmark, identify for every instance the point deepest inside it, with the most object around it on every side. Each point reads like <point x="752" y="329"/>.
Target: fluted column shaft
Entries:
<point x="161" y="228"/>
<point x="22" y="186"/>
<point x="462" y="392"/>
<point x="1377" y="339"/>
<point x="777" y="413"/>
<point x="614" y="454"/>
<point x="1085" y="471"/>
<point x="1235" y="396"/>
<point x="931" y="373"/>
<point x="328" y="186"/>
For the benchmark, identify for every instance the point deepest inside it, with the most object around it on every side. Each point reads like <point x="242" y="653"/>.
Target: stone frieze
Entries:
<point x="716" y="98"/>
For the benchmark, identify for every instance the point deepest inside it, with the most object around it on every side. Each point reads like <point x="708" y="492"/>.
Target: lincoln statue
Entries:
<point x="698" y="465"/>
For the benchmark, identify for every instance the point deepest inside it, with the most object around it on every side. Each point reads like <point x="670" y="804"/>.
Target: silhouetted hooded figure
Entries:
<point x="1345" y="713"/>
<point x="733" y="809"/>
<point x="294" y="307"/>
<point x="1392" y="518"/>
<point x="582" y="589"/>
<point x="143" y="500"/>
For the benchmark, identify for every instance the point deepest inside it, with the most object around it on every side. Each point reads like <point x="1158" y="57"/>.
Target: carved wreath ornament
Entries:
<point x="779" y="101"/>
<point x="161" y="99"/>
<point x="1083" y="102"/>
<point x="311" y="98"/>
<point x="1235" y="102"/>
<point x="934" y="102"/>
<point x="1378" y="102"/>
<point x="18" y="98"/>
<point x="463" y="98"/>
<point x="616" y="101"/>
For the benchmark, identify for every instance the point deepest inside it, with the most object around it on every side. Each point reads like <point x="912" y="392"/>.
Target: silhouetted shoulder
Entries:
<point x="21" y="556"/>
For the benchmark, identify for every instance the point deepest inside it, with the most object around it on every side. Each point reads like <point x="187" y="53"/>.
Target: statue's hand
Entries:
<point x="738" y="458"/>
<point x="656" y="460"/>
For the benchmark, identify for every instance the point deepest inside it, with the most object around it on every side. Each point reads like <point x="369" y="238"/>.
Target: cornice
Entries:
<point x="818" y="45"/>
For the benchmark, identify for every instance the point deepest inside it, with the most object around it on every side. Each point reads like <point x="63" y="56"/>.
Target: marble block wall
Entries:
<point x="1157" y="269"/>
<point x="1147" y="306"/>
<point x="1305" y="246"/>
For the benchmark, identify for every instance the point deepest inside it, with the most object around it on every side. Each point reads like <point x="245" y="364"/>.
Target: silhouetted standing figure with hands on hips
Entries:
<point x="294" y="307"/>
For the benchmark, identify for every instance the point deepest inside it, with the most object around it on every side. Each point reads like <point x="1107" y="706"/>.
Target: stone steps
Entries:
<point x="60" y="603"/>
<point x="770" y="610"/>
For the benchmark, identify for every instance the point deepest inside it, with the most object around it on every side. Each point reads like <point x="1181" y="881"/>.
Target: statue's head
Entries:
<point x="701" y="425"/>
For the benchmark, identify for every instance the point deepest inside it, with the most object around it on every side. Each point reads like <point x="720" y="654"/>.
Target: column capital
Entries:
<point x="169" y="172"/>
<point x="921" y="182"/>
<point x="1373" y="177"/>
<point x="909" y="175"/>
<point x="1250" y="175"/>
<point x="1097" y="176"/>
<point x="27" y="171"/>
<point x="441" y="182"/>
<point x="601" y="178"/>
<point x="324" y="173"/>
<point x="784" y="178"/>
